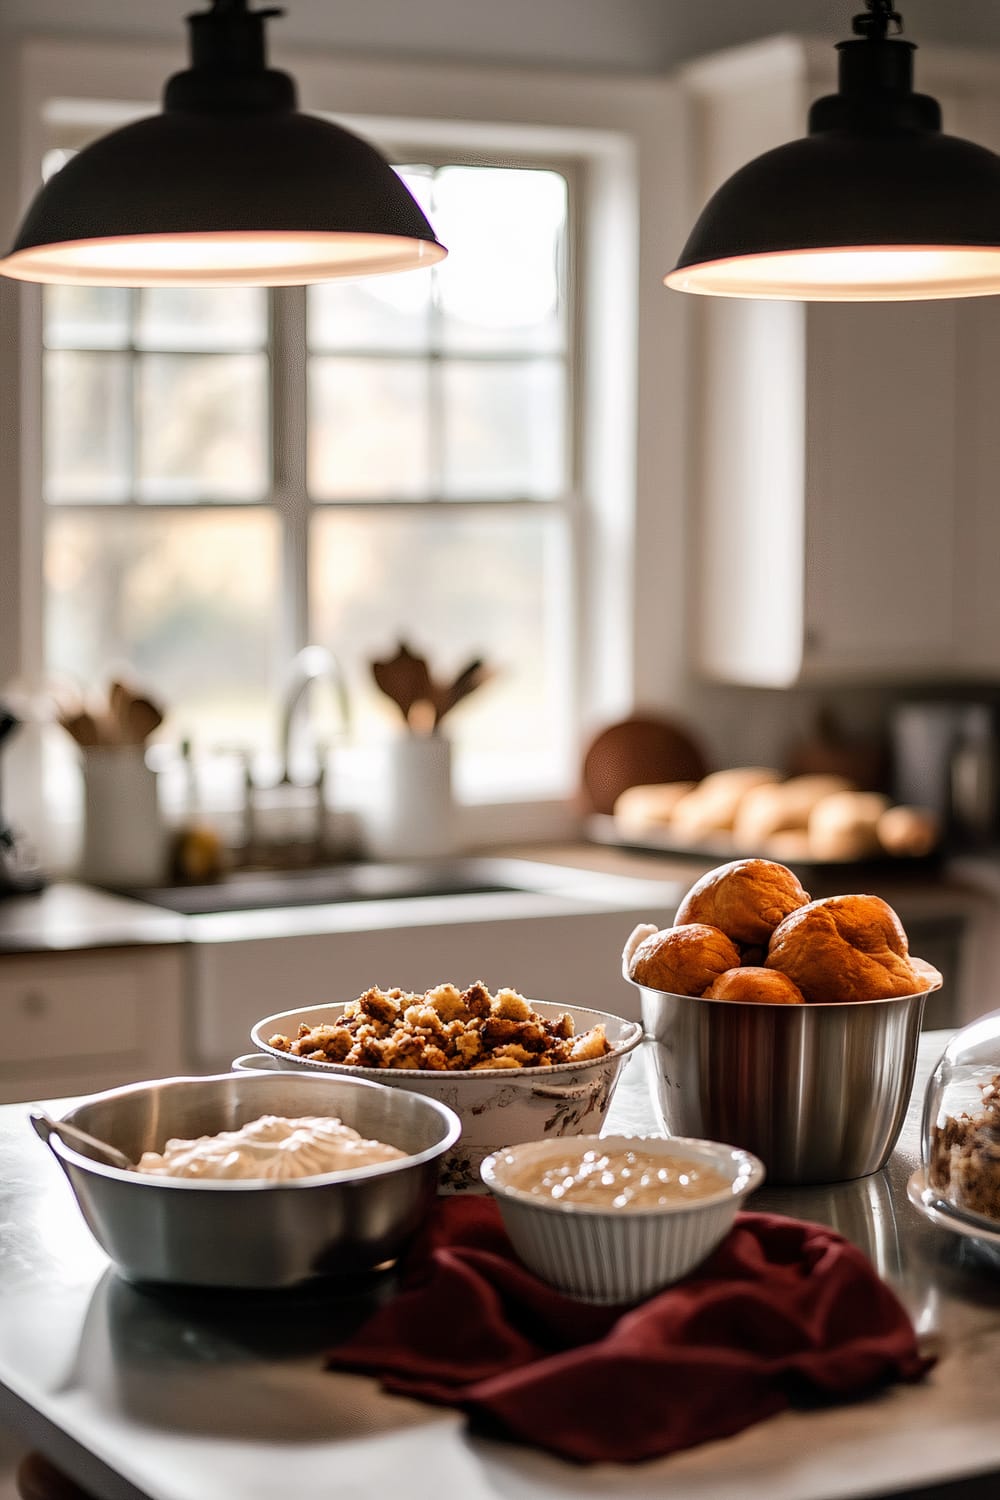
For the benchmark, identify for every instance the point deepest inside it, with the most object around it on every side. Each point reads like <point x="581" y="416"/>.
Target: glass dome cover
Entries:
<point x="960" y="1138"/>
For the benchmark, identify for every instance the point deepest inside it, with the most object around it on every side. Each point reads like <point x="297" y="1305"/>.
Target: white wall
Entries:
<point x="570" y="33"/>
<point x="646" y="35"/>
<point x="10" y="634"/>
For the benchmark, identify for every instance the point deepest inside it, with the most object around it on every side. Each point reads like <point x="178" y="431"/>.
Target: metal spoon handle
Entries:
<point x="45" y="1126"/>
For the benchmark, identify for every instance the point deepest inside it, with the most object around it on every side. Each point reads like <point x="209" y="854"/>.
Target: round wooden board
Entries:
<point x="639" y="751"/>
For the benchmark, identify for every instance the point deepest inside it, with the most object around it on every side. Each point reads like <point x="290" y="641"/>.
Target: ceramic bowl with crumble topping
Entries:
<point x="500" y="1098"/>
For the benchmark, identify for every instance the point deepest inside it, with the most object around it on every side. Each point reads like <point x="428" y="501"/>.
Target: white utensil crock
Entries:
<point x="124" y="840"/>
<point x="414" y="816"/>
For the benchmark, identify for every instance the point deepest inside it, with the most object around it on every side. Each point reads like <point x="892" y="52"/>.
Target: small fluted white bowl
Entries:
<point x="618" y="1255"/>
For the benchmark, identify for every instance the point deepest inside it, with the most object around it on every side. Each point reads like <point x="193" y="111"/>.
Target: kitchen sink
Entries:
<point x="260" y="890"/>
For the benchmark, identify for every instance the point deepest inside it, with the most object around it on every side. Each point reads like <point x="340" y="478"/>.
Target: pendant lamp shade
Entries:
<point x="230" y="185"/>
<point x="875" y="204"/>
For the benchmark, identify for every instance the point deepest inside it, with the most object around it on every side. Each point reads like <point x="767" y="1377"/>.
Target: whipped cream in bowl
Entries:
<point x="269" y="1149"/>
<point x="256" y="1180"/>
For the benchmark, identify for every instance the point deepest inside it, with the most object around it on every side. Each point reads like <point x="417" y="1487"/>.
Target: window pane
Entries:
<point x="203" y="427"/>
<point x="189" y="602"/>
<point x="501" y="285"/>
<point x="455" y="587"/>
<point x="382" y="312"/>
<point x="86" y="317"/>
<point x="202" y="318"/>
<point x="87" y="427"/>
<point x="368" y="429"/>
<point x="377" y="312"/>
<point x="504" y="429"/>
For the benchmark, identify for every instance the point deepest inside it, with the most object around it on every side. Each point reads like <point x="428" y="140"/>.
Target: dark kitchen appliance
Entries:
<point x="19" y="872"/>
<point x="946" y="756"/>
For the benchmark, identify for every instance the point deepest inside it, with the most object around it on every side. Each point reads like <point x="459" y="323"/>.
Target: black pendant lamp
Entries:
<point x="875" y="204"/>
<point x="229" y="186"/>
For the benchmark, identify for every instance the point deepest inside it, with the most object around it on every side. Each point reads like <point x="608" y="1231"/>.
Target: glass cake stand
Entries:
<point x="957" y="1185"/>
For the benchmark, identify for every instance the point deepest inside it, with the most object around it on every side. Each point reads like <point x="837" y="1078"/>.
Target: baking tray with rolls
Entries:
<point x="811" y="821"/>
<point x="602" y="828"/>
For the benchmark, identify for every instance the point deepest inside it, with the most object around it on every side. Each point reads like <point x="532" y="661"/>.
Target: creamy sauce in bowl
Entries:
<point x="616" y="1179"/>
<point x="271" y="1149"/>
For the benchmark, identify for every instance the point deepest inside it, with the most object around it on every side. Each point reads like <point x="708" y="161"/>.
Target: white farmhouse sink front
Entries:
<point x="552" y="933"/>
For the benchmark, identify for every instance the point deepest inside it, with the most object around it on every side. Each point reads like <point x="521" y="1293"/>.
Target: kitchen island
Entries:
<point x="208" y="1396"/>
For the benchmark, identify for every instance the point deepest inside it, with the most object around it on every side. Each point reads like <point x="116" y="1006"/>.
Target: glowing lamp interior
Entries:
<point x="226" y="259"/>
<point x="884" y="273"/>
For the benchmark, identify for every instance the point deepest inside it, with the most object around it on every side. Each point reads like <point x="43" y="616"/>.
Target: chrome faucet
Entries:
<point x="312" y="664"/>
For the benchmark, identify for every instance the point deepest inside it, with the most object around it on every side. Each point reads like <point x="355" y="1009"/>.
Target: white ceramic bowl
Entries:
<point x="497" y="1106"/>
<point x="618" y="1255"/>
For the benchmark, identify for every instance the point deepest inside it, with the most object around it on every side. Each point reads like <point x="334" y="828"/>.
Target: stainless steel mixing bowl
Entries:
<point x="818" y="1092"/>
<point x="254" y="1234"/>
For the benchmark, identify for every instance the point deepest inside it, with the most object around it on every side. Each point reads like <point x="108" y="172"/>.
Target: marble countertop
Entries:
<point x="209" y="1397"/>
<point x="69" y="916"/>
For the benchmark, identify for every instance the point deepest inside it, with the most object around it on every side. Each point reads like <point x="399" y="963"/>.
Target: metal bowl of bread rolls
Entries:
<point x="783" y="1025"/>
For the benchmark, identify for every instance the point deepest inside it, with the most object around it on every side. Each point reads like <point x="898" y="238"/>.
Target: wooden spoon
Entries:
<point x="405" y="679"/>
<point x="120" y="697"/>
<point x="142" y="718"/>
<point x="468" y="681"/>
<point x="83" y="727"/>
<point x="422" y="717"/>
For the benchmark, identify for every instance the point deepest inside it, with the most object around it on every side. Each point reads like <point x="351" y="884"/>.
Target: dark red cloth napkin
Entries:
<point x="783" y="1311"/>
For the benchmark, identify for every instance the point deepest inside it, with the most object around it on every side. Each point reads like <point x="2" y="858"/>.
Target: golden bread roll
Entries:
<point x="908" y="831"/>
<point x="792" y="844"/>
<point x="711" y="807"/>
<point x="643" y="807"/>
<point x="755" y="985"/>
<point x="745" y="899"/>
<point x="726" y="788"/>
<point x="845" y="948"/>
<point x="844" y="825"/>
<point x="696" y="817"/>
<point x="683" y="960"/>
<point x="776" y="809"/>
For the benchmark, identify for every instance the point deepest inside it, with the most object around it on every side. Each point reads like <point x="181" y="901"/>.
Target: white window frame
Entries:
<point x="288" y="353"/>
<point x="627" y="137"/>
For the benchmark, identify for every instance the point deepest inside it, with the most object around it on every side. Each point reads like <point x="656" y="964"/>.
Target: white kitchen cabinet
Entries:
<point x="77" y="1022"/>
<point x="848" y="454"/>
